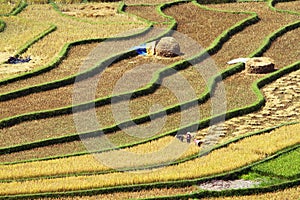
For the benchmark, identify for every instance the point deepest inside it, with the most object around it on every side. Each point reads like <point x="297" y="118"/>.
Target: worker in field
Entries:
<point x="198" y="142"/>
<point x="188" y="137"/>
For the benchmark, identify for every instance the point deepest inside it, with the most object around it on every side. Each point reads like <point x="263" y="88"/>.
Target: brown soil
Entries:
<point x="292" y="6"/>
<point x="202" y="25"/>
<point x="282" y="95"/>
<point x="244" y="43"/>
<point x="63" y="96"/>
<point x="53" y="150"/>
<point x="68" y="30"/>
<point x="249" y="36"/>
<point x="146" y="12"/>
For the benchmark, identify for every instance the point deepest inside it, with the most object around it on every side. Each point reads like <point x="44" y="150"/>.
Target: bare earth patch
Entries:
<point x="227" y="184"/>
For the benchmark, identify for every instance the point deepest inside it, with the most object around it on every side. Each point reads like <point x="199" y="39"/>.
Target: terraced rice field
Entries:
<point x="89" y="118"/>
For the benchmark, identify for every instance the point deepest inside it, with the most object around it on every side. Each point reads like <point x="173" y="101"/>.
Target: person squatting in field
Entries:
<point x="188" y="138"/>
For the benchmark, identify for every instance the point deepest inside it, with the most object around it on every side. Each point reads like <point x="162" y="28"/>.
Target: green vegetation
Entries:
<point x="41" y="152"/>
<point x="286" y="165"/>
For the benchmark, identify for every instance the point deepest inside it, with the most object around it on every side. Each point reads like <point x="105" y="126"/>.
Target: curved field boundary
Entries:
<point x="170" y="20"/>
<point x="281" y="166"/>
<point x="272" y="4"/>
<point x="152" y="166"/>
<point x="151" y="86"/>
<point x="203" y="123"/>
<point x="37" y="38"/>
<point x="53" y="64"/>
<point x="286" y="70"/>
<point x="157" y="79"/>
<point x="176" y="183"/>
<point x="76" y="137"/>
<point x="239" y="192"/>
<point x="62" y="54"/>
<point x="28" y="44"/>
<point x="17" y="9"/>
<point x="229" y="193"/>
<point x="124" y="6"/>
<point x="294" y="181"/>
<point x="252" y="190"/>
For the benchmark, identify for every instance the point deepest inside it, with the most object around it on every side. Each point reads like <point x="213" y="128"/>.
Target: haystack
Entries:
<point x="260" y="65"/>
<point x="167" y="47"/>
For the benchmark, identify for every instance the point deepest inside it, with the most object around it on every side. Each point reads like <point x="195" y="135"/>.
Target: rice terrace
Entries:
<point x="150" y="99"/>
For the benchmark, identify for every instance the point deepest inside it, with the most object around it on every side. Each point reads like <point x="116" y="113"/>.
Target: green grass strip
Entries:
<point x="285" y="166"/>
<point x="181" y="183"/>
<point x="152" y="166"/>
<point x="17" y="9"/>
<point x="22" y="5"/>
<point x="272" y="4"/>
<point x="2" y="26"/>
<point x="201" y="124"/>
<point x="150" y="87"/>
<point x="178" y="65"/>
<point x="51" y="65"/>
<point x="230" y="193"/>
<point x="169" y="20"/>
<point x="26" y="46"/>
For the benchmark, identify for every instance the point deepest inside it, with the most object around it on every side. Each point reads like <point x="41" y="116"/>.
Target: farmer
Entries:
<point x="188" y="137"/>
<point x="180" y="137"/>
<point x="198" y="142"/>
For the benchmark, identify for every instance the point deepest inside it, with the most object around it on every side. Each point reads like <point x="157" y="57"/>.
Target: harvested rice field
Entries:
<point x="149" y="99"/>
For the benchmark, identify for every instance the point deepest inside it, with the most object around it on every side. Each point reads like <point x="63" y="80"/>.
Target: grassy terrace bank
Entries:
<point x="253" y="155"/>
<point x="240" y="101"/>
<point x="216" y="162"/>
<point x="38" y="15"/>
<point x="64" y="119"/>
<point x="114" y="136"/>
<point x="63" y="96"/>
